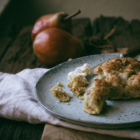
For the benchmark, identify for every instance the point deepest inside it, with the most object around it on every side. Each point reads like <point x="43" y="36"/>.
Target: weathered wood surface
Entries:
<point x="82" y="29"/>
<point x="19" y="54"/>
<point x="16" y="54"/>
<point x="14" y="130"/>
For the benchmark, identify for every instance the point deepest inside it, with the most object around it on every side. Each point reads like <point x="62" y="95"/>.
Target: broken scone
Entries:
<point x="117" y="79"/>
<point x="60" y="94"/>
<point x="77" y="79"/>
<point x="96" y="96"/>
<point x="124" y="76"/>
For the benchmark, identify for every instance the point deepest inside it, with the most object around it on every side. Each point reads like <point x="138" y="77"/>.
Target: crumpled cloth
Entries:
<point x="18" y="101"/>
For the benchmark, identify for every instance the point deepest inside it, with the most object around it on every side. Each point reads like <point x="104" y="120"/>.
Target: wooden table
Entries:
<point x="16" y="54"/>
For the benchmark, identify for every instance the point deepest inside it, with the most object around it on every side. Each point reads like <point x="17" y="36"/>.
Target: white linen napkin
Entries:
<point x="19" y="102"/>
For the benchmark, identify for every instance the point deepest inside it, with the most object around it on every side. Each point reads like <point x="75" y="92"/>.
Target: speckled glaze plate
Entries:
<point x="117" y="114"/>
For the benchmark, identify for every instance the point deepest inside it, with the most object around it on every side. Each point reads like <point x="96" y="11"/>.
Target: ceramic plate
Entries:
<point x="117" y="114"/>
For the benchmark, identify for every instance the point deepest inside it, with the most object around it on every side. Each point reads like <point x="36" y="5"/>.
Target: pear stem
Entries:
<point x="72" y="15"/>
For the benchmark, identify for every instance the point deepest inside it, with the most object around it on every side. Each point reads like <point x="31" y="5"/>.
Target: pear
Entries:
<point x="53" y="46"/>
<point x="58" y="20"/>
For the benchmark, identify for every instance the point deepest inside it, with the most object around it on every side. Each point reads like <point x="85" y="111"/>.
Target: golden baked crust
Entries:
<point x="95" y="97"/>
<point x="78" y="81"/>
<point x="78" y="90"/>
<point x="122" y="64"/>
<point x="117" y="79"/>
<point x="77" y="85"/>
<point x="123" y="74"/>
<point x="60" y="94"/>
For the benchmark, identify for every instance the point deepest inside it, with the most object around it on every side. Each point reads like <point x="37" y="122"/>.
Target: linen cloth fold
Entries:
<point x="18" y="101"/>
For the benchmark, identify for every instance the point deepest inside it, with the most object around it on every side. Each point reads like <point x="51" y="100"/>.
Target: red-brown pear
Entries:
<point x="53" y="46"/>
<point x="51" y="21"/>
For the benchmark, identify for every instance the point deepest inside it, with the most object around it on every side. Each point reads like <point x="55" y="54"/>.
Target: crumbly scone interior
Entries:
<point x="117" y="79"/>
<point x="124" y="76"/>
<point x="96" y="96"/>
<point x="60" y="94"/>
<point x="77" y="79"/>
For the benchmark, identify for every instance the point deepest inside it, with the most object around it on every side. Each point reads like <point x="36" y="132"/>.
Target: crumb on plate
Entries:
<point x="60" y="84"/>
<point x="60" y="94"/>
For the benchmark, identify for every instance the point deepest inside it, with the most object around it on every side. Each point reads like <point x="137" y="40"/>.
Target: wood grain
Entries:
<point x="7" y="35"/>
<point x="19" y="54"/>
<point x="15" y="130"/>
<point x="126" y="35"/>
<point x="82" y="28"/>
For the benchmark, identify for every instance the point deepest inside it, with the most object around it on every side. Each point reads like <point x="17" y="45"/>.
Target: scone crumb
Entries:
<point x="60" y="94"/>
<point x="57" y="101"/>
<point x="60" y="84"/>
<point x="67" y="104"/>
<point x="79" y="101"/>
<point x="81" y="97"/>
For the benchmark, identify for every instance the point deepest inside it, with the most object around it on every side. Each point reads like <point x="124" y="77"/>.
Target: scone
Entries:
<point x="96" y="96"/>
<point x="117" y="79"/>
<point x="77" y="79"/>
<point x="124" y="76"/>
<point x="60" y="94"/>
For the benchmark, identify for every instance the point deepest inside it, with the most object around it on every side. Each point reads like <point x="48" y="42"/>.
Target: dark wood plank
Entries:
<point x="122" y="37"/>
<point x="18" y="130"/>
<point x="4" y="45"/>
<point x="135" y="30"/>
<point x="15" y="130"/>
<point x="10" y="130"/>
<point x="7" y="35"/>
<point x="124" y="34"/>
<point x="4" y="129"/>
<point x="97" y="44"/>
<point x="82" y="28"/>
<point x="102" y="26"/>
<point x="31" y="131"/>
<point x="20" y="54"/>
